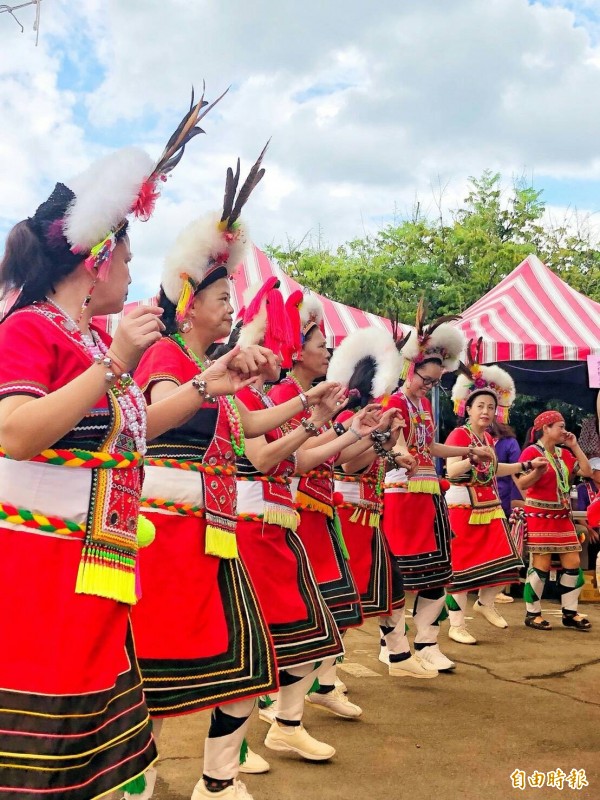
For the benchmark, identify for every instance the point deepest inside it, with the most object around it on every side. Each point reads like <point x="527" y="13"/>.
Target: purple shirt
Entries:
<point x="508" y="452"/>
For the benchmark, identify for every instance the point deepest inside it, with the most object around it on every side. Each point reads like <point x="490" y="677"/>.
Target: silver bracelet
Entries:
<point x="304" y="401"/>
<point x="310" y="427"/>
<point x="106" y="362"/>
<point x="356" y="433"/>
<point x="200" y="386"/>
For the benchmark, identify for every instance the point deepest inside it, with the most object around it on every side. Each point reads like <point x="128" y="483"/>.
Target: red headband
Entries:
<point x="547" y="418"/>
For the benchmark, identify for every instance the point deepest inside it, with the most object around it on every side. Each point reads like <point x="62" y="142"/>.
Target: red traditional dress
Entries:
<point x="483" y="552"/>
<point x="377" y="577"/>
<point x="318" y="530"/>
<point x="550" y="527"/>
<point x="200" y="634"/>
<point x="301" y="625"/>
<point x="415" y="516"/>
<point x="72" y="714"/>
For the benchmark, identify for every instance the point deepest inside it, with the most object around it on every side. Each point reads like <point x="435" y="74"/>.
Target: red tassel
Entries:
<point x="278" y="335"/>
<point x="292" y="306"/>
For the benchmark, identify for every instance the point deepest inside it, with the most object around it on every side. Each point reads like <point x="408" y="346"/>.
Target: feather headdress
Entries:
<point x="474" y="379"/>
<point x="305" y="312"/>
<point x="264" y="320"/>
<point x="118" y="185"/>
<point x="379" y="349"/>
<point x="437" y="340"/>
<point x="210" y="247"/>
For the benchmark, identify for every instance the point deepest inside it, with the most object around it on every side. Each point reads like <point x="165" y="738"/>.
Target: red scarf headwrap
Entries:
<point x="546" y="418"/>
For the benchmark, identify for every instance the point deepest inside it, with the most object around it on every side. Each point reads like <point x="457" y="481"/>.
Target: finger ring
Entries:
<point x="338" y="403"/>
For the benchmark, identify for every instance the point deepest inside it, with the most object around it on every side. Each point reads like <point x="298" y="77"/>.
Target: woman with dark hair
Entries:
<point x="549" y="521"/>
<point x="369" y="363"/>
<point x="201" y="636"/>
<point x="319" y="527"/>
<point x="483" y="552"/>
<point x="415" y="516"/>
<point x="72" y="433"/>
<point x="303" y="629"/>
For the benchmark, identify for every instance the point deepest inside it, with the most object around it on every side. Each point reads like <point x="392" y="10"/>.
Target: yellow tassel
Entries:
<point x="310" y="504"/>
<point x="424" y="486"/>
<point x="185" y="298"/>
<point x="104" y="580"/>
<point x="484" y="517"/>
<point x="282" y="516"/>
<point x="374" y="519"/>
<point x="220" y="543"/>
<point x="355" y="514"/>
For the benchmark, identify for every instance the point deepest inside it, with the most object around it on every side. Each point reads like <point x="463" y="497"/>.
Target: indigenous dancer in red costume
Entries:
<point x="415" y="516"/>
<point x="319" y="527"/>
<point x="369" y="364"/>
<point x="484" y="555"/>
<point x="201" y="636"/>
<point x="303" y="629"/>
<point x="549" y="521"/>
<point x="73" y="433"/>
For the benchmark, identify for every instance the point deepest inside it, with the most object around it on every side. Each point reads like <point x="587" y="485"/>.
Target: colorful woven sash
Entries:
<point x="85" y="458"/>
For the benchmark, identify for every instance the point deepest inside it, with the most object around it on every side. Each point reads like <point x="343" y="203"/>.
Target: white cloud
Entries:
<point x="368" y="106"/>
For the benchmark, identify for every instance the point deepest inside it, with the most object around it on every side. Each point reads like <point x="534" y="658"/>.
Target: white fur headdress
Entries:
<point x="475" y="378"/>
<point x="117" y="185"/>
<point x="375" y="344"/>
<point x="210" y="247"/>
<point x="438" y="340"/>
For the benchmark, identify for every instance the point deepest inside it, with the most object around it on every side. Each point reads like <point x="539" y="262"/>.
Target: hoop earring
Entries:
<point x="185" y="326"/>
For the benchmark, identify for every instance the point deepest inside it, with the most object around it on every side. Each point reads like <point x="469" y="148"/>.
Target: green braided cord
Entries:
<point x="172" y="506"/>
<point x="267" y="700"/>
<point x="315" y="687"/>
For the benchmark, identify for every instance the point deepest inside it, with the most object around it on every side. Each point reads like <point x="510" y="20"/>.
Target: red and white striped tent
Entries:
<point x="533" y="315"/>
<point x="340" y="320"/>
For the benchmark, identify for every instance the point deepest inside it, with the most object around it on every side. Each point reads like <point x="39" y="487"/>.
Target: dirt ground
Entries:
<point x="519" y="700"/>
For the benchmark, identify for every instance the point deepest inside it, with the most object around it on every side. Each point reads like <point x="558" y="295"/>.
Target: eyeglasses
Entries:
<point x="428" y="383"/>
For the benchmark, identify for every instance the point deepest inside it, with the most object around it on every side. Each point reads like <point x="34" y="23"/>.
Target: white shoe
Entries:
<point x="150" y="776"/>
<point x="412" y="667"/>
<point x="461" y="635"/>
<point x="296" y="739"/>
<point x="267" y="714"/>
<point x="236" y="792"/>
<point x="503" y="598"/>
<point x="490" y="613"/>
<point x="341" y="686"/>
<point x="336" y="702"/>
<point x="384" y="654"/>
<point x="434" y="656"/>
<point x="254" y="764"/>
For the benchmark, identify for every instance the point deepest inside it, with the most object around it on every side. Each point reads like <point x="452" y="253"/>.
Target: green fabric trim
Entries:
<point x="135" y="786"/>
<point x="244" y="751"/>
<point x="451" y="603"/>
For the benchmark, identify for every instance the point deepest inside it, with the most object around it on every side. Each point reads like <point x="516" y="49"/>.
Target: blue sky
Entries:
<point x="367" y="112"/>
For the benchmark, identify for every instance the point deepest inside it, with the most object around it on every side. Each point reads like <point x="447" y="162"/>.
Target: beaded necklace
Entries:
<point x="561" y="470"/>
<point x="418" y="420"/>
<point x="483" y="473"/>
<point x="127" y="394"/>
<point x="236" y="430"/>
<point x="296" y="382"/>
